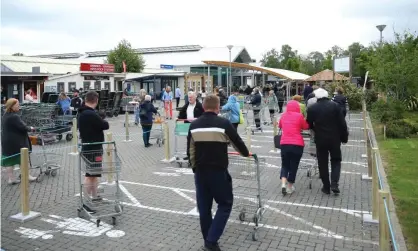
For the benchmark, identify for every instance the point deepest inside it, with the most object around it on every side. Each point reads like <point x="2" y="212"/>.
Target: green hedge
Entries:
<point x="354" y="94"/>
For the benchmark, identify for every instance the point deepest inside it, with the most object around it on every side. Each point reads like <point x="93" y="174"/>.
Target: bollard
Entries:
<point x="127" y="127"/>
<point x="384" y="239"/>
<point x="167" y="144"/>
<point x="109" y="158"/>
<point x="26" y="214"/>
<point x="74" y="140"/>
<point x="274" y="131"/>
<point x="249" y="138"/>
<point x="375" y="187"/>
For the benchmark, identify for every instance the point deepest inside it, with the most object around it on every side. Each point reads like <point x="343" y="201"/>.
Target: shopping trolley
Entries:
<point x="101" y="162"/>
<point x="309" y="152"/>
<point x="249" y="197"/>
<point x="181" y="129"/>
<point x="258" y="114"/>
<point x="157" y="131"/>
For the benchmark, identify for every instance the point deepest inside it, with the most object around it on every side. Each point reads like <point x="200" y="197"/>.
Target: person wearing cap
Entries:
<point x="76" y="101"/>
<point x="327" y="121"/>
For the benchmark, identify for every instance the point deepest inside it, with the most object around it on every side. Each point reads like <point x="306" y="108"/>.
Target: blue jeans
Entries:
<point x="213" y="185"/>
<point x="146" y="133"/>
<point x="291" y="155"/>
<point x="137" y="115"/>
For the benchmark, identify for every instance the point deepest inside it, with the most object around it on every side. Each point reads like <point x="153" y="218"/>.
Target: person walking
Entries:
<point x="64" y="103"/>
<point x="291" y="123"/>
<point x="341" y="100"/>
<point x="168" y="102"/>
<point x="306" y="91"/>
<point x="76" y="102"/>
<point x="146" y="111"/>
<point x="207" y="149"/>
<point x="14" y="136"/>
<point x="327" y="121"/>
<point x="298" y="98"/>
<point x="272" y="104"/>
<point x="256" y="104"/>
<point x="91" y="127"/>
<point x="311" y="95"/>
<point x="178" y="96"/>
<point x="192" y="110"/>
<point x="232" y="106"/>
<point x="280" y="99"/>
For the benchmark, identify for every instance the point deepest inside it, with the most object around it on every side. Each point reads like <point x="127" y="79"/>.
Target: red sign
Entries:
<point x="97" y="67"/>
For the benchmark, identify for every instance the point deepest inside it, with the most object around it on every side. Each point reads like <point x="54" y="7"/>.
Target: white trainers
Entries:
<point x="31" y="178"/>
<point x="284" y="190"/>
<point x="290" y="189"/>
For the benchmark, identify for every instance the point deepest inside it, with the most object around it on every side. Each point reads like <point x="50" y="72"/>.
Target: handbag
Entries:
<point x="241" y="118"/>
<point x="277" y="139"/>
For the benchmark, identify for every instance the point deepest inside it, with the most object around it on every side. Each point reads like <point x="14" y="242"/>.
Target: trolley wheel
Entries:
<point x="98" y="222"/>
<point x="69" y="137"/>
<point x="255" y="236"/>
<point x="118" y="208"/>
<point x="114" y="221"/>
<point x="79" y="212"/>
<point x="252" y="132"/>
<point x="255" y="219"/>
<point x="40" y="178"/>
<point x="310" y="185"/>
<point x="308" y="173"/>
<point x="241" y="216"/>
<point x="116" y="114"/>
<point x="59" y="137"/>
<point x="39" y="141"/>
<point x="47" y="171"/>
<point x="158" y="142"/>
<point x="54" y="173"/>
<point x="124" y="125"/>
<point x="180" y="164"/>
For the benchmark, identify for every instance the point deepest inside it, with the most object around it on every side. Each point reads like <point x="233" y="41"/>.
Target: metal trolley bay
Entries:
<point x="101" y="199"/>
<point x="181" y="130"/>
<point x="248" y="195"/>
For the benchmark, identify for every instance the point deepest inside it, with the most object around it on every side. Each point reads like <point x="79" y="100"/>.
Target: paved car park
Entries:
<point x="160" y="211"/>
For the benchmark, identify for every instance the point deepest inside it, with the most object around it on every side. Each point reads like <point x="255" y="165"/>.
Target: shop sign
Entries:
<point x="97" y="67"/>
<point x="91" y="77"/>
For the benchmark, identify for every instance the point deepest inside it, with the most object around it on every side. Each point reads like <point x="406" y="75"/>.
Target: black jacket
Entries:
<point x="91" y="127"/>
<point x="208" y="139"/>
<point x="198" y="111"/>
<point x="327" y="121"/>
<point x="256" y="100"/>
<point x="14" y="134"/>
<point x="341" y="101"/>
<point x="76" y="102"/>
<point x="149" y="109"/>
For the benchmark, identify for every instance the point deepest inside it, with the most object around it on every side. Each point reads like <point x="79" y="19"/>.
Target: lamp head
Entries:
<point x="381" y="27"/>
<point x="229" y="46"/>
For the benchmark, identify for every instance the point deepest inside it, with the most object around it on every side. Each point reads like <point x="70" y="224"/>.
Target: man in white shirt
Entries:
<point x="191" y="110"/>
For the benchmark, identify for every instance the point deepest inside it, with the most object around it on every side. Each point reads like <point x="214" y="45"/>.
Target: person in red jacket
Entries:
<point x="292" y="123"/>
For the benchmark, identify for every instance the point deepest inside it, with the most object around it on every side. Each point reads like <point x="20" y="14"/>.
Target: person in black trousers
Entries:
<point x="145" y="115"/>
<point x="341" y="100"/>
<point x="330" y="128"/>
<point x="76" y="102"/>
<point x="280" y="99"/>
<point x="256" y="103"/>
<point x="207" y="149"/>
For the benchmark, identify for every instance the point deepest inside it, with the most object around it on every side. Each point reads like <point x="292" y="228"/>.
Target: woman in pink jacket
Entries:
<point x="292" y="123"/>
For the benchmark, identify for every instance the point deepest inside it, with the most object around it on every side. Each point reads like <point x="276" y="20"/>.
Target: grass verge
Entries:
<point x="401" y="164"/>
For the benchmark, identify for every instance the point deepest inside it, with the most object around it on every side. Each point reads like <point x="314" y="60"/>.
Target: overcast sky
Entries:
<point x="67" y="26"/>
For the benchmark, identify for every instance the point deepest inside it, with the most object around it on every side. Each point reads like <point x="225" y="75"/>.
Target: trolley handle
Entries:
<point x="238" y="154"/>
<point x="97" y="143"/>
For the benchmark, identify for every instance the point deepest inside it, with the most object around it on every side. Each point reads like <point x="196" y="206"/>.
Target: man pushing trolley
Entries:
<point x="207" y="149"/>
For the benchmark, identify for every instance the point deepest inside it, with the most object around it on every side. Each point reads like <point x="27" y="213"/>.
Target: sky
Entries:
<point x="36" y="27"/>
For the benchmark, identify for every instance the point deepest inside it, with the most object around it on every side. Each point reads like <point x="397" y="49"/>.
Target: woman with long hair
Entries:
<point x="14" y="136"/>
<point x="64" y="102"/>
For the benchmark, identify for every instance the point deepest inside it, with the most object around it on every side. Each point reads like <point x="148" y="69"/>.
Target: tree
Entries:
<point x="123" y="52"/>
<point x="356" y="49"/>
<point x="271" y="59"/>
<point x="17" y="54"/>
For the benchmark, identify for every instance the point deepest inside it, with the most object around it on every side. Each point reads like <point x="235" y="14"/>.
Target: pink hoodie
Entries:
<point x="292" y="123"/>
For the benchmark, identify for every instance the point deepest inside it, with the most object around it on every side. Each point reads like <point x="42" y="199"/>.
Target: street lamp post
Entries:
<point x="381" y="28"/>
<point x="230" y="71"/>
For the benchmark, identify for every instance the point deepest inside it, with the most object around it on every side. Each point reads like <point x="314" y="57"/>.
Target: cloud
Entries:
<point x="50" y="26"/>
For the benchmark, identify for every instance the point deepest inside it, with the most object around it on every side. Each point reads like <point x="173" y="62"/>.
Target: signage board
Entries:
<point x="97" y="67"/>
<point x="92" y="77"/>
<point x="166" y="66"/>
<point x="342" y="64"/>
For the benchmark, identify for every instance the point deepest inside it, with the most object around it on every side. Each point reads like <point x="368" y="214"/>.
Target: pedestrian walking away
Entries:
<point x="280" y="99"/>
<point x="91" y="127"/>
<point x="178" y="96"/>
<point x="232" y="106"/>
<point x="327" y="121"/>
<point x="256" y="103"/>
<point x="292" y="123"/>
<point x="146" y="111"/>
<point x="207" y="148"/>
<point x="341" y="100"/>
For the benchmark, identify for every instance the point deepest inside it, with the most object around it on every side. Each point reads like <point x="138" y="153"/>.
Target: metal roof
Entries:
<point x="60" y="56"/>
<point x="152" y="50"/>
<point x="47" y="65"/>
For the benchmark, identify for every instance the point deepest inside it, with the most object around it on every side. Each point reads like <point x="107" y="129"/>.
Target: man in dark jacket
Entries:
<point x="207" y="147"/>
<point x="328" y="123"/>
<point x="306" y="91"/>
<point x="256" y="103"/>
<point x="192" y="110"/>
<point x="311" y="95"/>
<point x="76" y="102"/>
<point x="223" y="99"/>
<point x="91" y="127"/>
<point x="341" y="100"/>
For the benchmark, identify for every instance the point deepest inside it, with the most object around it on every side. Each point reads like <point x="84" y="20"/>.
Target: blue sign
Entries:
<point x="166" y="66"/>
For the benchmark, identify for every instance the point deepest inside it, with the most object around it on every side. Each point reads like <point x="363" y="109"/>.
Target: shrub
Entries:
<point x="386" y="112"/>
<point x="400" y="129"/>
<point x="412" y="103"/>
<point x="353" y="93"/>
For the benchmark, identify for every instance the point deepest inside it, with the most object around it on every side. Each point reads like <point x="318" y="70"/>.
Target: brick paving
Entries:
<point x="159" y="204"/>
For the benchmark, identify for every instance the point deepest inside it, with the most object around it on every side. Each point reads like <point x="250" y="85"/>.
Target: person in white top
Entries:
<point x="191" y="110"/>
<point x="28" y="97"/>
